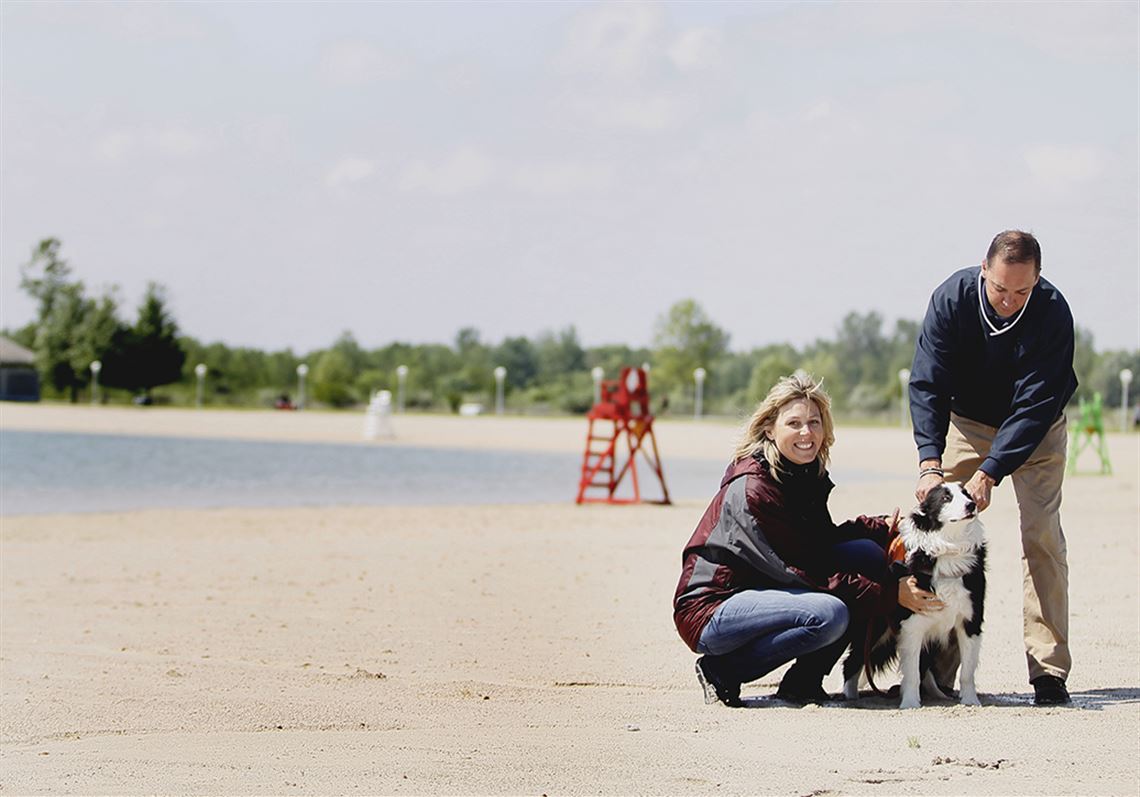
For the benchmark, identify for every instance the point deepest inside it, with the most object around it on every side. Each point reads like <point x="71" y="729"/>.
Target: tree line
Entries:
<point x="551" y="373"/>
<point x="73" y="330"/>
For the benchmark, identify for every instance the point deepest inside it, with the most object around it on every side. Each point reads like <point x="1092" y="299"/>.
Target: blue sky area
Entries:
<point x="290" y="171"/>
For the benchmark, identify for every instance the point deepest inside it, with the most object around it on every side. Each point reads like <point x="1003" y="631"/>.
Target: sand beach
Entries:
<point x="502" y="649"/>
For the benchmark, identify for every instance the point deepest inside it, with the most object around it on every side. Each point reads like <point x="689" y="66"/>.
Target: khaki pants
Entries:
<point x="1045" y="570"/>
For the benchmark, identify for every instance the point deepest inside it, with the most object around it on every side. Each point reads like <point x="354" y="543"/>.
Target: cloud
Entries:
<point x="696" y="48"/>
<point x="1091" y="32"/>
<point x="465" y="170"/>
<point x="649" y="112"/>
<point x="557" y="179"/>
<point x="178" y="142"/>
<point x="1058" y="168"/>
<point x="349" y="170"/>
<point x="115" y="146"/>
<point x="353" y="63"/>
<point x="628" y="64"/>
<point x="819" y="111"/>
<point x="171" y="141"/>
<point x="652" y="112"/>
<point x="613" y="39"/>
<point x="265" y="135"/>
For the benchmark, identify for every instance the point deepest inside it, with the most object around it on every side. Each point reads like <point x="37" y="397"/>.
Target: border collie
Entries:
<point x="946" y="552"/>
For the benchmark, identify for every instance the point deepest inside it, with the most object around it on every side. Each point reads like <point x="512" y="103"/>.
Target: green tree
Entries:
<point x="333" y="379"/>
<point x="685" y="338"/>
<point x="519" y="357"/>
<point x="1084" y="355"/>
<point x="775" y="362"/>
<point x="45" y="276"/>
<point x="154" y="355"/>
<point x="862" y="351"/>
<point x="370" y="380"/>
<point x="613" y="357"/>
<point x="902" y="353"/>
<point x="1104" y="378"/>
<point x="55" y="340"/>
<point x="432" y="376"/>
<point x="733" y="375"/>
<point x="820" y="362"/>
<point x="560" y="355"/>
<point x="475" y="374"/>
<point x="61" y="309"/>
<point x="355" y="356"/>
<point x="100" y="335"/>
<point x="281" y="370"/>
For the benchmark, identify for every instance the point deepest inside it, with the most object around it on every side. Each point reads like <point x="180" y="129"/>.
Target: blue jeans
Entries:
<point x="758" y="630"/>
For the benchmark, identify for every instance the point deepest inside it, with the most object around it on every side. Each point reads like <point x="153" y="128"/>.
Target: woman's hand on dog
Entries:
<point x="915" y="599"/>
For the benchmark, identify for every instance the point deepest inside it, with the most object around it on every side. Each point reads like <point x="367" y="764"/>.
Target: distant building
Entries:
<point x="19" y="380"/>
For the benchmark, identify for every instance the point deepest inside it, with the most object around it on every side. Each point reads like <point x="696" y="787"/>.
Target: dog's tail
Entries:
<point x="896" y="562"/>
<point x="868" y="643"/>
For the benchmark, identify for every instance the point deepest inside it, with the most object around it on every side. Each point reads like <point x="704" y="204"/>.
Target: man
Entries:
<point x="992" y="373"/>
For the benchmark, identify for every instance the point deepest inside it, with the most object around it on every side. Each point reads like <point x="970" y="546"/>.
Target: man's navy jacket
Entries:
<point x="1018" y="382"/>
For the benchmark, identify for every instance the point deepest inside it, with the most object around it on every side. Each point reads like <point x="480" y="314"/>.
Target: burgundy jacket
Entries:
<point x="759" y="533"/>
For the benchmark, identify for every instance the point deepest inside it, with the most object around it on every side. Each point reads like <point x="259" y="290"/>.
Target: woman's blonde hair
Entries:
<point x="789" y="388"/>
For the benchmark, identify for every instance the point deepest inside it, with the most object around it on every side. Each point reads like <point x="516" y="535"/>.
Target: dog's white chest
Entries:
<point x="959" y="603"/>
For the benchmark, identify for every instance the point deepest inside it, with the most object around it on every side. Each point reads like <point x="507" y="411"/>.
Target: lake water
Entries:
<point x="60" y="472"/>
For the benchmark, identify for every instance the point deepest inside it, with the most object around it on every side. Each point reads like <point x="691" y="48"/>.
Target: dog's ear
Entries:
<point x="923" y="521"/>
<point x="925" y="515"/>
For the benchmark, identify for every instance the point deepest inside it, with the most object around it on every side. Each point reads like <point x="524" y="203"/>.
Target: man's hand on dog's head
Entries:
<point x="927" y="483"/>
<point x="930" y="475"/>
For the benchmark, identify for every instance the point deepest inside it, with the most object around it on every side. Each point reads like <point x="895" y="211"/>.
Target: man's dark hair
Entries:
<point x="1015" y="246"/>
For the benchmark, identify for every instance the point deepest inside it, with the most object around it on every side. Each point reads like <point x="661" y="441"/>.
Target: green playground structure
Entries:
<point x="1091" y="423"/>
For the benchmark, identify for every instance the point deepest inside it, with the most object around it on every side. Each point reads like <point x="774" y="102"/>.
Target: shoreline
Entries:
<point x="508" y="433"/>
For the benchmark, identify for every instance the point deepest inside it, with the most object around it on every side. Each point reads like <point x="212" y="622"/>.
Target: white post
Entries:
<point x="500" y="375"/>
<point x="699" y="376"/>
<point x="1125" y="380"/>
<point x="96" y="367"/>
<point x="302" y="371"/>
<point x="401" y="379"/>
<point x="904" y="383"/>
<point x="597" y="373"/>
<point x="200" y="370"/>
<point x="378" y="416"/>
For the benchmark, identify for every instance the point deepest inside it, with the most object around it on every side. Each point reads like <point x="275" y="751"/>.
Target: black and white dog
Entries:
<point x="945" y="550"/>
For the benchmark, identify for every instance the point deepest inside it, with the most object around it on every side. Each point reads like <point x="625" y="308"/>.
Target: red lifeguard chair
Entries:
<point x="624" y="403"/>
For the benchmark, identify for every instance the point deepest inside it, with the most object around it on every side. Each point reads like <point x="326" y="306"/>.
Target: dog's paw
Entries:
<point x="970" y="699"/>
<point x="910" y="702"/>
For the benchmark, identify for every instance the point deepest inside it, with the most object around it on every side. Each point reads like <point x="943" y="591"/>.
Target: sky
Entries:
<point x="399" y="171"/>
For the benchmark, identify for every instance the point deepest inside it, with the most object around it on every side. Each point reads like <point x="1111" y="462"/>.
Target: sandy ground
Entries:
<point x="506" y="649"/>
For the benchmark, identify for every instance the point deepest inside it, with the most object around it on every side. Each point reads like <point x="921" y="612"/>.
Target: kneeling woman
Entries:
<point x="767" y="577"/>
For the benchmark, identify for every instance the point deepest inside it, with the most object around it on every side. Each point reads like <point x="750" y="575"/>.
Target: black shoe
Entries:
<point x="1049" y="690"/>
<point x="715" y="690"/>
<point x="801" y="691"/>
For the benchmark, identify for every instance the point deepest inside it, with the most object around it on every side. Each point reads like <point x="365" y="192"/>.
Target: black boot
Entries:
<point x="715" y="688"/>
<point x="802" y="686"/>
<point x="1049" y="690"/>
